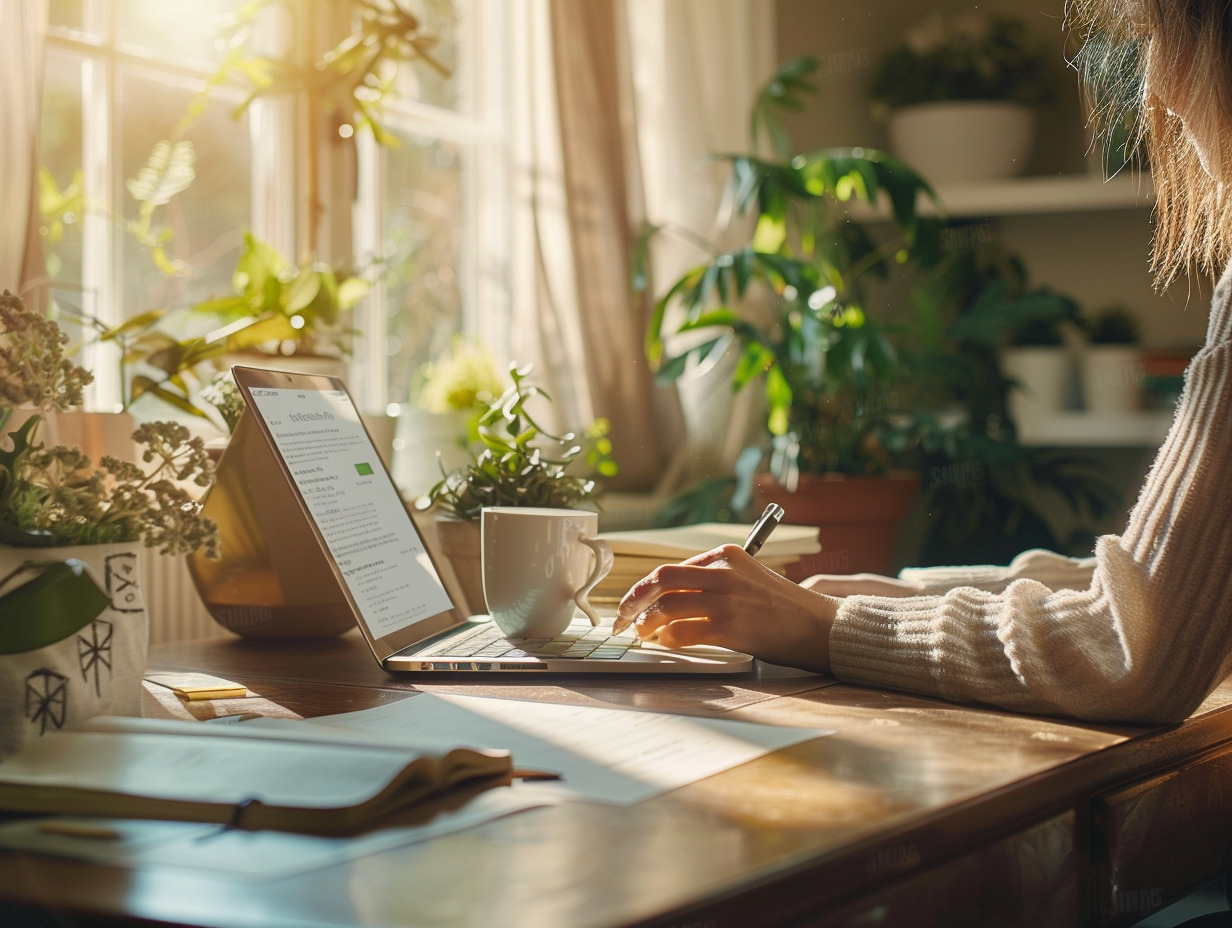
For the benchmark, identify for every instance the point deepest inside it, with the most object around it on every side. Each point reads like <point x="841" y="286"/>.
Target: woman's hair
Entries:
<point x="1185" y="46"/>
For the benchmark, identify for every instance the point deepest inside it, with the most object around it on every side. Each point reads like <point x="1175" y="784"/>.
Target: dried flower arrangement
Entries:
<point x="55" y="496"/>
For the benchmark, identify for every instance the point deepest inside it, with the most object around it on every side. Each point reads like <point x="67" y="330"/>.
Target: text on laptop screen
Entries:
<point x="355" y="506"/>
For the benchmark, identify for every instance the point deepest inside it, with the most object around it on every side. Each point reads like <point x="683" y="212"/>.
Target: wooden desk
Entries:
<point x="914" y="812"/>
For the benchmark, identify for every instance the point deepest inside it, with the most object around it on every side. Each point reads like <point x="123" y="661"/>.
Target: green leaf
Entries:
<point x="169" y="170"/>
<point x="351" y="291"/>
<point x="904" y="187"/>
<point x="60" y="601"/>
<point x="756" y="359"/>
<point x="641" y="256"/>
<point x="770" y="234"/>
<point x="778" y="401"/>
<point x="132" y="324"/>
<point x="300" y="293"/>
<point x="717" y="317"/>
<point x="673" y="368"/>
<point x="784" y="91"/>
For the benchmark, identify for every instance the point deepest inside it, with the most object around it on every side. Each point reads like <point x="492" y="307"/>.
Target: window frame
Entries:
<point x="352" y="211"/>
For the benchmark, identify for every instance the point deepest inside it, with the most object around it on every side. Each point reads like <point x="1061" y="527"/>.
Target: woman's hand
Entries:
<point x="725" y="597"/>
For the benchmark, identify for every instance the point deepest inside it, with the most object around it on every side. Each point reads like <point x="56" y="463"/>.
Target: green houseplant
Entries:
<point x="277" y="310"/>
<point x="516" y="462"/>
<point x="832" y="375"/>
<point x="970" y="55"/>
<point x="986" y="496"/>
<point x="852" y="398"/>
<point x="1039" y="364"/>
<point x="73" y="627"/>
<point x="958" y="90"/>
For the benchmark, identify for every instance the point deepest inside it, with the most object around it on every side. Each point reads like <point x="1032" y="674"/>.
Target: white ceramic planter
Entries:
<point x="1111" y="378"/>
<point x="963" y="140"/>
<point x="1042" y="377"/>
<point x="425" y="443"/>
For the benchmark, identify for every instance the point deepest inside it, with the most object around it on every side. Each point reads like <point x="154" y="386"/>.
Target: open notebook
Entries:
<point x="381" y="570"/>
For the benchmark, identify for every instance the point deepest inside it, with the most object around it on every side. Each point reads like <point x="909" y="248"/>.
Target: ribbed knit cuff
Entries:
<point x="914" y="643"/>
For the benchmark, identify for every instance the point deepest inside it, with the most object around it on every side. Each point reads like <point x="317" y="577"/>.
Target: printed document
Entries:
<point x="619" y="756"/>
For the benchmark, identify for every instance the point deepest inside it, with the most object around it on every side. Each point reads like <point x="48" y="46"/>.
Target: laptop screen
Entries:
<point x="348" y="495"/>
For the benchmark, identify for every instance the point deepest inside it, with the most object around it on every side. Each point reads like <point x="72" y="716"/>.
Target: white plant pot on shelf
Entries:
<point x="963" y="140"/>
<point x="1042" y="376"/>
<point x="1111" y="378"/>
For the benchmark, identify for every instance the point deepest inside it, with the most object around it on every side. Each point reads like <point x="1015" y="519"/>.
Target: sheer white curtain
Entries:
<point x="23" y="26"/>
<point x="697" y="67"/>
<point x="618" y="104"/>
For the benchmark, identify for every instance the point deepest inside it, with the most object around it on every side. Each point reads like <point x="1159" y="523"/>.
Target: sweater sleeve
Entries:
<point x="1144" y="640"/>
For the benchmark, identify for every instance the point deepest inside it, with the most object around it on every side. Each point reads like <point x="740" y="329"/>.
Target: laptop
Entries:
<point x="307" y="428"/>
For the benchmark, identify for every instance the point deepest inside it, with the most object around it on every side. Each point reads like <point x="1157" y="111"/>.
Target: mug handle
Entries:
<point x="603" y="566"/>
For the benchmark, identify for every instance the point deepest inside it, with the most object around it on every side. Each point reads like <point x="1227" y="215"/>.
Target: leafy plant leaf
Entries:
<point x="168" y="171"/>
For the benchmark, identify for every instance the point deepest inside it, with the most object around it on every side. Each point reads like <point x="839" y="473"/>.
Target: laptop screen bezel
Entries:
<point x="247" y="378"/>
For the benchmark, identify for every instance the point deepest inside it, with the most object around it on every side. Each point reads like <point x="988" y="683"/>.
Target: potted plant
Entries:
<point x="793" y="304"/>
<point x="281" y="308"/>
<point x="448" y="395"/>
<point x="73" y="626"/>
<point x="278" y="314"/>
<point x="1039" y="365"/>
<point x="986" y="496"/>
<point x="518" y="463"/>
<point x="1111" y="361"/>
<point x="958" y="90"/>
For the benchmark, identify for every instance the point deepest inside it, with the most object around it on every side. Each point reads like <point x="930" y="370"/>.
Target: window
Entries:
<point x="433" y="209"/>
<point x="424" y="219"/>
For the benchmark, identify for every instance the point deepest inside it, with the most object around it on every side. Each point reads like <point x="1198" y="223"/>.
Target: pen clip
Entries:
<point x="770" y="518"/>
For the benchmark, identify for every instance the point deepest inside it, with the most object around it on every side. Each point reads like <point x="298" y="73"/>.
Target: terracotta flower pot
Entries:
<point x="858" y="519"/>
<point x="459" y="545"/>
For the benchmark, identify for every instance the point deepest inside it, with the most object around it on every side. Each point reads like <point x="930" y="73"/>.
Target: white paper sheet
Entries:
<point x="618" y="756"/>
<point x="250" y="855"/>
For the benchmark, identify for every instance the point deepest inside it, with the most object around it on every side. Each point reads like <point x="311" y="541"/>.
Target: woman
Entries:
<point x="1140" y="632"/>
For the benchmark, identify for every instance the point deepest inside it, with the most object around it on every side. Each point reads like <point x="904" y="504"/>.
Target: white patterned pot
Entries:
<point x="94" y="669"/>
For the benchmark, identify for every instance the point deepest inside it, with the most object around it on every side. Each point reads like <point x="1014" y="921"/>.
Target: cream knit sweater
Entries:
<point x="1141" y="632"/>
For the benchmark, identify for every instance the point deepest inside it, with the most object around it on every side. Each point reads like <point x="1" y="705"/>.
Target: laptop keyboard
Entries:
<point x="486" y="641"/>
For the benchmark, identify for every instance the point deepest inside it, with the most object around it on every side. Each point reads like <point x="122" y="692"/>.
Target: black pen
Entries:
<point x="765" y="525"/>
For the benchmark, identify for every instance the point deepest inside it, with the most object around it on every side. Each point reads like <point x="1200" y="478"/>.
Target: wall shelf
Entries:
<point x="1021" y="196"/>
<point x="1053" y="194"/>
<point x="1097" y="430"/>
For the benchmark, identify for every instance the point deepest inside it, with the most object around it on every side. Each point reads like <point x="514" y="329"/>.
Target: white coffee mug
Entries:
<point x="537" y="568"/>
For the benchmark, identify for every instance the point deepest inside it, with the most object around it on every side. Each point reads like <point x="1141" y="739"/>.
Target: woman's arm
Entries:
<point x="1145" y="640"/>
